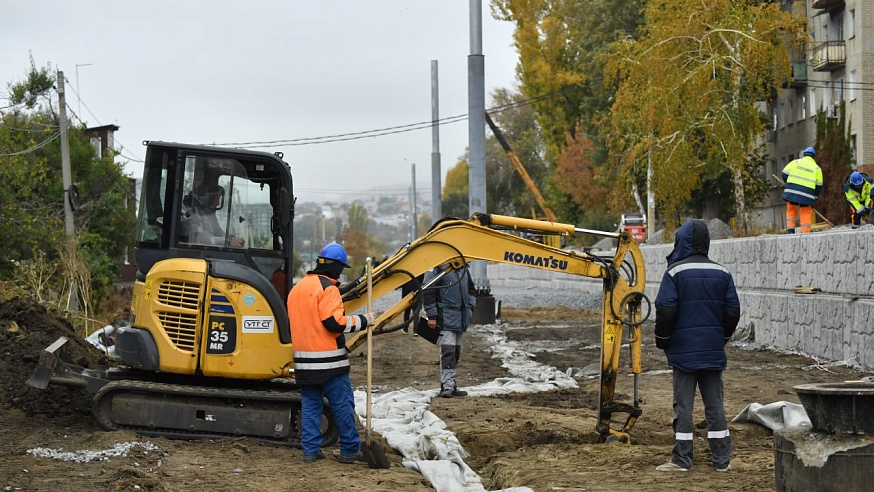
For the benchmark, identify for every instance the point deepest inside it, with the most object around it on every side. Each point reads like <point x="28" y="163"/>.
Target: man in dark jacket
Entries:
<point x="449" y="306"/>
<point x="697" y="311"/>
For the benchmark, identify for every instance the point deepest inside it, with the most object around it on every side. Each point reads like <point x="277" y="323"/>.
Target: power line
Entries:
<point x="388" y="130"/>
<point x="35" y="147"/>
<point x="350" y="136"/>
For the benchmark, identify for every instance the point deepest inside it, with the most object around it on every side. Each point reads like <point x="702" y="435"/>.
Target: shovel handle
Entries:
<point x="369" y="345"/>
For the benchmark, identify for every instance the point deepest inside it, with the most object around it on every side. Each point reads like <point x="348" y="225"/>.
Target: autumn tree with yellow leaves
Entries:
<point x="689" y="92"/>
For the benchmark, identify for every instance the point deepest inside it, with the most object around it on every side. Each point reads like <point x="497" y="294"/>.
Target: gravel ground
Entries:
<point x="532" y="297"/>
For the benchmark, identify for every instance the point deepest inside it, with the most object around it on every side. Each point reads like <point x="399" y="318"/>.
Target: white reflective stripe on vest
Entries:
<point x="319" y="366"/>
<point x="320" y="355"/>
<point x="801" y="193"/>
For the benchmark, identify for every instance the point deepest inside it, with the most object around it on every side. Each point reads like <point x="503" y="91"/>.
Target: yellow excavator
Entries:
<point x="208" y="352"/>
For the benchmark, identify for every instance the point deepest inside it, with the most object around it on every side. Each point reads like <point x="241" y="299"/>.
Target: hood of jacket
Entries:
<point x="692" y="238"/>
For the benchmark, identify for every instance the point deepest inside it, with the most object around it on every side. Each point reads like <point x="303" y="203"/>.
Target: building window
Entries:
<point x="781" y="118"/>
<point x="97" y="143"/>
<point x="839" y="27"/>
<point x="774" y="120"/>
<point x="853" y="147"/>
<point x="827" y="95"/>
<point x="790" y="118"/>
<point x="851" y="88"/>
<point x="851" y="24"/>
<point x="813" y="107"/>
<point x="803" y="112"/>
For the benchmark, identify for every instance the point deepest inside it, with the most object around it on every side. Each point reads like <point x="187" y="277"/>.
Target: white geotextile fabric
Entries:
<point x="403" y="420"/>
<point x="775" y="416"/>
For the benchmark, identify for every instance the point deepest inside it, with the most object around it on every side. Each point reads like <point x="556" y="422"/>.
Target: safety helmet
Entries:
<point x="856" y="179"/>
<point x="809" y="151"/>
<point x="335" y="252"/>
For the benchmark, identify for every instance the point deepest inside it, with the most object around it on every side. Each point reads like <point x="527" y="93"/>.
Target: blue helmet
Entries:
<point x="856" y="179"/>
<point x="335" y="252"/>
<point x="809" y="151"/>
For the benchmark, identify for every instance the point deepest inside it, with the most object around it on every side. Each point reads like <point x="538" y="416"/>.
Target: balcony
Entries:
<point x="826" y="4"/>
<point x="829" y="56"/>
<point x="799" y="73"/>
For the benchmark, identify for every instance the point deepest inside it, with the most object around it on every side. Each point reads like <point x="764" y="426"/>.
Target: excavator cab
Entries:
<point x="213" y="250"/>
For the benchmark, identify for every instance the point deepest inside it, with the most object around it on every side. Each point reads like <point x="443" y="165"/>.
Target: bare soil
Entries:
<point x="545" y="441"/>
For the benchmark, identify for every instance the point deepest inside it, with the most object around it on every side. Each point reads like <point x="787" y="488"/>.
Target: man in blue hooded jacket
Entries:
<point x="697" y="311"/>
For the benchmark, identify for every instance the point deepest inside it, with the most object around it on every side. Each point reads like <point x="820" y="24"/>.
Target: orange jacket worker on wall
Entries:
<point x="803" y="179"/>
<point x="321" y="364"/>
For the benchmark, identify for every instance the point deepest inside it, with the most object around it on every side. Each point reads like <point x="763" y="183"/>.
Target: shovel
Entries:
<point x="373" y="453"/>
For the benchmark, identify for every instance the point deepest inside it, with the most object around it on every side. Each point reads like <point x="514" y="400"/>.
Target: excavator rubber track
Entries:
<point x="193" y="412"/>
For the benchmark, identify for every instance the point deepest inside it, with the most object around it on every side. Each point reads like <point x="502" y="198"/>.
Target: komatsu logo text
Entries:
<point x="537" y="261"/>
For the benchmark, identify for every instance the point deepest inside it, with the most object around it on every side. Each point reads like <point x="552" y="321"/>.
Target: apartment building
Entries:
<point x="838" y="66"/>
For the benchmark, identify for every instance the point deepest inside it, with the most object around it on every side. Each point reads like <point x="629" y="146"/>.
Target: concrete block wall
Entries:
<point x="834" y="324"/>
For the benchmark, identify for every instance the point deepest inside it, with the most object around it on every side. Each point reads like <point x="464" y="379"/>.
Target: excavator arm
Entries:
<point x="455" y="242"/>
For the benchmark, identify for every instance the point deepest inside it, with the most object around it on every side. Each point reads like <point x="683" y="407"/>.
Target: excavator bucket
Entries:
<point x="56" y="367"/>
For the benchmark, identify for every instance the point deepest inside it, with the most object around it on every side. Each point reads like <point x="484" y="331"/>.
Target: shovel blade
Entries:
<point x="374" y="455"/>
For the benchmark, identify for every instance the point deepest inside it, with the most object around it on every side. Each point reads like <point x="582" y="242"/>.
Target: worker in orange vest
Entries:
<point x="319" y="323"/>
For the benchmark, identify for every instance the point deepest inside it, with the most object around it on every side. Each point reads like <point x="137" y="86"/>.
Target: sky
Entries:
<point x="226" y="73"/>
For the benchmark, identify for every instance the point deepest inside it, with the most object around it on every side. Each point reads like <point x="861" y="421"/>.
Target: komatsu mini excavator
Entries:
<point x="208" y="352"/>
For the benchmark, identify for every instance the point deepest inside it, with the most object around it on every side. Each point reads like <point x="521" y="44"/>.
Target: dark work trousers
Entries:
<point x="450" y="352"/>
<point x="709" y="383"/>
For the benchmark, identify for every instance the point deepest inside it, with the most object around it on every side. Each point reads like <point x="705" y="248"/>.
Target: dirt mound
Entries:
<point x="26" y="328"/>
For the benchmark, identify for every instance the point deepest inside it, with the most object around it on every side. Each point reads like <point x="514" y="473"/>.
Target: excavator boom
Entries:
<point x="452" y="243"/>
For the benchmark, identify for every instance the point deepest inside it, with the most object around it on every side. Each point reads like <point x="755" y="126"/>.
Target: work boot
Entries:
<point x="352" y="458"/>
<point x="447" y="393"/>
<point x="458" y="392"/>
<point x="312" y="458"/>
<point x="671" y="467"/>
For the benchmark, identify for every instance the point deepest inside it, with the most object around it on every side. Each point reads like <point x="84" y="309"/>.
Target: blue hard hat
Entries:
<point x="856" y="179"/>
<point x="809" y="151"/>
<point x="335" y="252"/>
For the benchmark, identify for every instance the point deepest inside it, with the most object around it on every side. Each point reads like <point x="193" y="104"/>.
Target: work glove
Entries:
<point x="368" y="319"/>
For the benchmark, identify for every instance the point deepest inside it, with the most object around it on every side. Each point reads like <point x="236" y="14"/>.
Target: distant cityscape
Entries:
<point x="389" y="219"/>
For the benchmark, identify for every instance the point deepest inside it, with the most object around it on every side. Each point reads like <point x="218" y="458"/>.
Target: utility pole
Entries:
<point x="436" y="173"/>
<point x="484" y="312"/>
<point x="73" y="300"/>
<point x="414" y="233"/>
